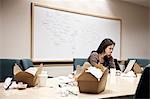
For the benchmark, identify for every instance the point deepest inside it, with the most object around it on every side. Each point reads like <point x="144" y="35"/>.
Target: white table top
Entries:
<point x="116" y="86"/>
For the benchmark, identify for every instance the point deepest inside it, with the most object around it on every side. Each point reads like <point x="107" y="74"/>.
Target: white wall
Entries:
<point x="0" y="27"/>
<point x="16" y="27"/>
<point x="55" y="71"/>
<point x="149" y="32"/>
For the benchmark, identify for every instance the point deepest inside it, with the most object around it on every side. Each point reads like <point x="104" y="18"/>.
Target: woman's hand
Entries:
<point x="100" y="66"/>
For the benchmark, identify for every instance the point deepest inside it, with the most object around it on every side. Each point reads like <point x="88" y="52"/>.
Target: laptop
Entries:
<point x="117" y="64"/>
<point x="129" y="66"/>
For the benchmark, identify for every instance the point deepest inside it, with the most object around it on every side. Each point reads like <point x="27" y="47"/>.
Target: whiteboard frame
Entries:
<point x="69" y="11"/>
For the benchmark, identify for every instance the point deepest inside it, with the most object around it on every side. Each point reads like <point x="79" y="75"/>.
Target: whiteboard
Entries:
<point x="60" y="35"/>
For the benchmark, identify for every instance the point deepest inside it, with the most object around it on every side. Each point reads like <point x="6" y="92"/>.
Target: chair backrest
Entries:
<point x="141" y="62"/>
<point x="6" y="68"/>
<point x="142" y="91"/>
<point x="78" y="61"/>
<point x="26" y="63"/>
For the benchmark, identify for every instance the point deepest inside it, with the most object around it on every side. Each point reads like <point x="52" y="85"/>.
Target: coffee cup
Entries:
<point x="43" y="79"/>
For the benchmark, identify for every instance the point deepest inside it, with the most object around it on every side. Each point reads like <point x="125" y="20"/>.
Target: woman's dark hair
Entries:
<point x="104" y="44"/>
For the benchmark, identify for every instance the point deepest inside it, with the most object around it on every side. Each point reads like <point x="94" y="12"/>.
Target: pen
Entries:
<point x="72" y="93"/>
<point x="59" y="86"/>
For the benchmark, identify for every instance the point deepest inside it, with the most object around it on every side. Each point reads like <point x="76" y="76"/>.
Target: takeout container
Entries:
<point x="88" y="83"/>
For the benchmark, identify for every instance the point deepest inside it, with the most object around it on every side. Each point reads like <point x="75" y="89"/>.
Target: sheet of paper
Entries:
<point x="95" y="71"/>
<point x="31" y="70"/>
<point x="129" y="74"/>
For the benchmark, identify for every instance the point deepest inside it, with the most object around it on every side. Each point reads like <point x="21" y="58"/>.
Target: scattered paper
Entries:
<point x="129" y="74"/>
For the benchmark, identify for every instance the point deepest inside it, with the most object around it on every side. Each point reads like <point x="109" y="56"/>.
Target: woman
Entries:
<point x="103" y="55"/>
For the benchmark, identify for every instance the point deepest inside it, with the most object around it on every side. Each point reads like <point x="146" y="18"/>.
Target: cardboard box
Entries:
<point x="27" y="77"/>
<point x="89" y="84"/>
<point x="137" y="68"/>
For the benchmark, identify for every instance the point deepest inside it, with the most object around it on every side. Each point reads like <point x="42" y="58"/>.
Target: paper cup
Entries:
<point x="42" y="79"/>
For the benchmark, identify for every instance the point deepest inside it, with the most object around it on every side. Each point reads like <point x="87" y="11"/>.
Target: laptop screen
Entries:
<point x="129" y="66"/>
<point x="116" y="64"/>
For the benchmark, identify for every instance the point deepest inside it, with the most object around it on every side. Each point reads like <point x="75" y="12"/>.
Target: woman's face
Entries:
<point x="109" y="49"/>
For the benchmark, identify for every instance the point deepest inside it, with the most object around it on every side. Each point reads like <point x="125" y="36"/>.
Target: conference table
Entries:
<point x="117" y="86"/>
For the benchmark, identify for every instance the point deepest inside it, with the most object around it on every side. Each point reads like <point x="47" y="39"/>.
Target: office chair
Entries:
<point x="26" y="63"/>
<point x="6" y="68"/>
<point x="142" y="91"/>
<point x="78" y="61"/>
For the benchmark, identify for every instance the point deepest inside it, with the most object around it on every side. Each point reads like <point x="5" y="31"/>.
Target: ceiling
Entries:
<point x="145" y="3"/>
